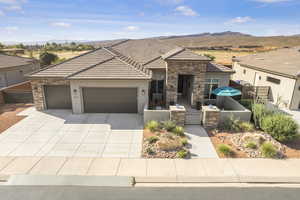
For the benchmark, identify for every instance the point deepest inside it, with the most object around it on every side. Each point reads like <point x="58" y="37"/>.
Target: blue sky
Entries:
<point x="40" y="20"/>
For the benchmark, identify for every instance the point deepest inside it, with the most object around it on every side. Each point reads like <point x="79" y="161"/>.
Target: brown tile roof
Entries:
<point x="184" y="54"/>
<point x="144" y="50"/>
<point x="74" y="65"/>
<point x="112" y="69"/>
<point x="214" y="67"/>
<point x="158" y="63"/>
<point x="284" y="62"/>
<point x="84" y="64"/>
<point x="7" y="61"/>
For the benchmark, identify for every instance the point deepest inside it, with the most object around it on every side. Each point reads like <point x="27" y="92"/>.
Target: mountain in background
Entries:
<point x="228" y="38"/>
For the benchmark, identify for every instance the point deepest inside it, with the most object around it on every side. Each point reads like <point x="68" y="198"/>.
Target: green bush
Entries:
<point x="245" y="126"/>
<point x="225" y="150"/>
<point x="231" y="124"/>
<point x="152" y="139"/>
<point x="168" y="125"/>
<point x="259" y="113"/>
<point x="182" y="153"/>
<point x="179" y="131"/>
<point x="281" y="127"/>
<point x="152" y="125"/>
<point x="268" y="150"/>
<point x="184" y="141"/>
<point x="251" y="145"/>
<point x="236" y="125"/>
<point x="149" y="151"/>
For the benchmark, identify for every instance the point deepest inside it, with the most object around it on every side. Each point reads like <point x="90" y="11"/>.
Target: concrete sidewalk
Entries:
<point x="160" y="170"/>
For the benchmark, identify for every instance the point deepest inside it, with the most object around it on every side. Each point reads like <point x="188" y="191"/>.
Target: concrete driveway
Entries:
<point x="60" y="133"/>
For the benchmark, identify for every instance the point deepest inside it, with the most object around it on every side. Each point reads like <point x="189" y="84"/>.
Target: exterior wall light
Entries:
<point x="143" y="92"/>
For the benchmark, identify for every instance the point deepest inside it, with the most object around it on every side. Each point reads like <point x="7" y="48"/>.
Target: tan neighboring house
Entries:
<point x="13" y="69"/>
<point x="127" y="76"/>
<point x="279" y="69"/>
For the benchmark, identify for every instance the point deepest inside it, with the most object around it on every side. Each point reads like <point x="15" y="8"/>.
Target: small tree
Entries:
<point x="210" y="56"/>
<point x="47" y="58"/>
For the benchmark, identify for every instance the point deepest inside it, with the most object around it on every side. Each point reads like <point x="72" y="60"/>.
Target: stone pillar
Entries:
<point x="177" y="114"/>
<point x="211" y="116"/>
<point x="2" y="101"/>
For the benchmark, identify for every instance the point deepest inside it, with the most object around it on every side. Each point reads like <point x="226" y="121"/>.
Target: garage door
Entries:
<point x="110" y="100"/>
<point x="58" y="97"/>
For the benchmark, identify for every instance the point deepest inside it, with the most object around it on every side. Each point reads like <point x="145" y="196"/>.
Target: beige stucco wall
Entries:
<point x="77" y="85"/>
<point x="284" y="90"/>
<point x="223" y="78"/>
<point x="296" y="96"/>
<point x="14" y="75"/>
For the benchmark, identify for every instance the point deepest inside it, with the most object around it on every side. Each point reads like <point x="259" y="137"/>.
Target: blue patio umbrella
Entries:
<point x="226" y="92"/>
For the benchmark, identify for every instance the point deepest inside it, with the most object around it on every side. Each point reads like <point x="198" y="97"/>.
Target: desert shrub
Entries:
<point x="152" y="125"/>
<point x="184" y="141"/>
<point x="149" y="150"/>
<point x="152" y="139"/>
<point x="245" y="126"/>
<point x="169" y="145"/>
<point x="251" y="145"/>
<point x="231" y="124"/>
<point x="225" y="150"/>
<point x="168" y="125"/>
<point x="259" y="113"/>
<point x="178" y="130"/>
<point x="281" y="127"/>
<point x="212" y="57"/>
<point x="182" y="153"/>
<point x="268" y="150"/>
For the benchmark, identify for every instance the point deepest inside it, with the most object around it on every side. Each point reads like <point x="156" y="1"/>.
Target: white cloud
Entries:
<point x="11" y="28"/>
<point x="2" y="13"/>
<point x="61" y="24"/>
<point x="170" y="1"/>
<point x="13" y="1"/>
<point x="132" y="28"/>
<point x="240" y="20"/>
<point x="271" y="1"/>
<point x="187" y="11"/>
<point x="14" y="7"/>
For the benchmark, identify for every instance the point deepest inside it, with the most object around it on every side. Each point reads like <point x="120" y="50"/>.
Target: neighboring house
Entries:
<point x="279" y="69"/>
<point x="13" y="69"/>
<point x="127" y="76"/>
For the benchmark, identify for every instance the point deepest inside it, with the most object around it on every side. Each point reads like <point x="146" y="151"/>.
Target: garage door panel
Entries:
<point x="58" y="97"/>
<point x="110" y="100"/>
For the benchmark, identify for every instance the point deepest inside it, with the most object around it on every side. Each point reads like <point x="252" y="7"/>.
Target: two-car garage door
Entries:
<point x="110" y="100"/>
<point x="95" y="100"/>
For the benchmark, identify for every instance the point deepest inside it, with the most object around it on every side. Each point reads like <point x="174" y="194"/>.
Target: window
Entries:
<point x="273" y="80"/>
<point x="244" y="71"/>
<point x="210" y="86"/>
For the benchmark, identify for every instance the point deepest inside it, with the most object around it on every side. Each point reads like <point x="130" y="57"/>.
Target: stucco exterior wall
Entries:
<point x="11" y="76"/>
<point x="77" y="85"/>
<point x="223" y="78"/>
<point x="278" y="92"/>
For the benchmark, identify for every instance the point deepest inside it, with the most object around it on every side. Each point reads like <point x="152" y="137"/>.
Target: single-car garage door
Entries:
<point x="58" y="97"/>
<point x="110" y="100"/>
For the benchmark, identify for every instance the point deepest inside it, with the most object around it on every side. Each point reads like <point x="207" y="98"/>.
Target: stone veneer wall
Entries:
<point x="38" y="90"/>
<point x="177" y="67"/>
<point x="211" y="117"/>
<point x="177" y="115"/>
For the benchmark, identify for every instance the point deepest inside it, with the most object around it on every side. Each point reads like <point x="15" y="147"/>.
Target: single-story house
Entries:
<point x="14" y="68"/>
<point x="278" y="69"/>
<point x="127" y="76"/>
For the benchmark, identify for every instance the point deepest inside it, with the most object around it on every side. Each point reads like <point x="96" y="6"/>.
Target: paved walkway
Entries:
<point x="199" y="143"/>
<point x="159" y="170"/>
<point x="60" y="133"/>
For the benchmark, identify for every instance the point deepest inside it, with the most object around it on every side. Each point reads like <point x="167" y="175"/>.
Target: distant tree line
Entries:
<point x="51" y="47"/>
